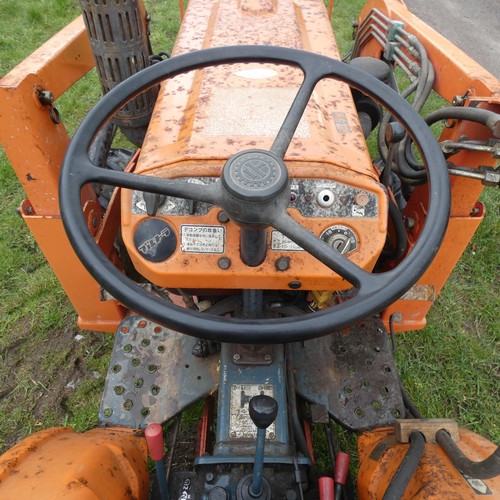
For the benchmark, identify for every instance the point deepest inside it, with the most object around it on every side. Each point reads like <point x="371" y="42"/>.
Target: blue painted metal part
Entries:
<point x="256" y="486"/>
<point x="270" y="379"/>
<point x="162" y="480"/>
<point x="249" y="459"/>
<point x="234" y="378"/>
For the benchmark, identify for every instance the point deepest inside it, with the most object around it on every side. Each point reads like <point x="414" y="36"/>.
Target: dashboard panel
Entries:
<point x="189" y="244"/>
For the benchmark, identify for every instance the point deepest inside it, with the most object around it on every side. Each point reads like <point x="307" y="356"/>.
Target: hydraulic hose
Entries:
<point x="422" y="88"/>
<point x="293" y="414"/>
<point x="298" y="433"/>
<point x="410" y="406"/>
<point x="486" y="117"/>
<point x="404" y="160"/>
<point x="406" y="468"/>
<point x="400" y="232"/>
<point x="486" y="469"/>
<point x="382" y="147"/>
<point x="404" y="167"/>
<point x="410" y="169"/>
<point x="426" y="77"/>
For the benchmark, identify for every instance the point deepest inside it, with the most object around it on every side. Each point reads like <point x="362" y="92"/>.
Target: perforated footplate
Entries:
<point x="352" y="373"/>
<point x="153" y="375"/>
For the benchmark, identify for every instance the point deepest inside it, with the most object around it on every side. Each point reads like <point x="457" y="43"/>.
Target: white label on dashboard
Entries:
<point x="202" y="239"/>
<point x="280" y="242"/>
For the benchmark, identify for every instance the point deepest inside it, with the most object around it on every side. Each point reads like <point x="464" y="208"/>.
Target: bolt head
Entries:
<point x="398" y="317"/>
<point x="282" y="264"/>
<point x="491" y="178"/>
<point x="222" y="217"/>
<point x="224" y="263"/>
<point x="410" y="222"/>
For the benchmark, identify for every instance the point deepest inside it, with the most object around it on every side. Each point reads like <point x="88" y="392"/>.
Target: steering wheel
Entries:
<point x="262" y="203"/>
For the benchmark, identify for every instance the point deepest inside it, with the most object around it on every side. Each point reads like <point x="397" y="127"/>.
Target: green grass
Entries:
<point x="35" y="315"/>
<point x="450" y="368"/>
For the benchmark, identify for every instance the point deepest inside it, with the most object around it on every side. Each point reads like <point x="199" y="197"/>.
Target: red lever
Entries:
<point x="325" y="488"/>
<point x="154" y="438"/>
<point x="341" y="467"/>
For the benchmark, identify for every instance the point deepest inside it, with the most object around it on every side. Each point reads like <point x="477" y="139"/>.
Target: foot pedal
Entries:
<point x="152" y="375"/>
<point x="353" y="374"/>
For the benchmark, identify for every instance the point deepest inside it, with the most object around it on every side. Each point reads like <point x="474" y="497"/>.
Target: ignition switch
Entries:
<point x="340" y="238"/>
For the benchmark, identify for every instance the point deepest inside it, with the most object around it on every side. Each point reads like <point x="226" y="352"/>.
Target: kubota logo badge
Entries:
<point x="153" y="242"/>
<point x="255" y="170"/>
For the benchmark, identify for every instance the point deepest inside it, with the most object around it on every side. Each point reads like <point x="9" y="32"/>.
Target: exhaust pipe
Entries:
<point x="118" y="33"/>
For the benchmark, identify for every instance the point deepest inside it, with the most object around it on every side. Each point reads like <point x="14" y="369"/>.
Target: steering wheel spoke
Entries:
<point x="296" y="111"/>
<point x="85" y="172"/>
<point x="337" y="262"/>
<point x="158" y="185"/>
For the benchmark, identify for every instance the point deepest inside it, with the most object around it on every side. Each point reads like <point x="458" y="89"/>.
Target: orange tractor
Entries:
<point x="248" y="250"/>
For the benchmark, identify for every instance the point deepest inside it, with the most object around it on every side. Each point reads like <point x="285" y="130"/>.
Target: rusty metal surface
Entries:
<point x="420" y="292"/>
<point x="152" y="375"/>
<point x="353" y="374"/>
<point x="204" y="117"/>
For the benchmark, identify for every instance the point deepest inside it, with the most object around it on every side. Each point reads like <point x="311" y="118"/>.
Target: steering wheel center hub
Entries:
<point x="255" y="175"/>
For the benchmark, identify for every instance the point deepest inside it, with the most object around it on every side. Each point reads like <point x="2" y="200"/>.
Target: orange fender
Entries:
<point x="61" y="463"/>
<point x="380" y="455"/>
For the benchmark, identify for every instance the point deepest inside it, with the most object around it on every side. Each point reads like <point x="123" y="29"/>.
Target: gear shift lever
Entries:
<point x="263" y="411"/>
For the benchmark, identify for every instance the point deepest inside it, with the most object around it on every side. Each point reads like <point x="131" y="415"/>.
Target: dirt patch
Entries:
<point x="185" y="450"/>
<point x="41" y="379"/>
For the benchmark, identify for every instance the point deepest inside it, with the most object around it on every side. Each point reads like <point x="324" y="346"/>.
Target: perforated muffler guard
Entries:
<point x="352" y="373"/>
<point x="153" y="375"/>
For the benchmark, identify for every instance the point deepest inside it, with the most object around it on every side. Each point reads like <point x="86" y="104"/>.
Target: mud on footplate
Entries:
<point x="152" y="375"/>
<point x="353" y="374"/>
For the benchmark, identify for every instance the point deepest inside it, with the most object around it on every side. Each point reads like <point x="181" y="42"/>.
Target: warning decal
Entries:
<point x="202" y="239"/>
<point x="479" y="487"/>
<point x="280" y="242"/>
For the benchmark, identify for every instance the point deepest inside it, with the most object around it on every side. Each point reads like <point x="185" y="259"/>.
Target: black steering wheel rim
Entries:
<point x="370" y="299"/>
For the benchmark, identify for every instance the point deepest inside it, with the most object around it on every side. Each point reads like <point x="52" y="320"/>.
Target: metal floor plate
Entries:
<point x="152" y="375"/>
<point x="353" y="374"/>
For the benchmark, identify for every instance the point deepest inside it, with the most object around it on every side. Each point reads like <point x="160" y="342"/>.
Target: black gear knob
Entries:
<point x="263" y="410"/>
<point x="394" y="133"/>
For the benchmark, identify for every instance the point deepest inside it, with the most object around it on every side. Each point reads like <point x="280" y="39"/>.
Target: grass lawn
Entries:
<point x="52" y="374"/>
